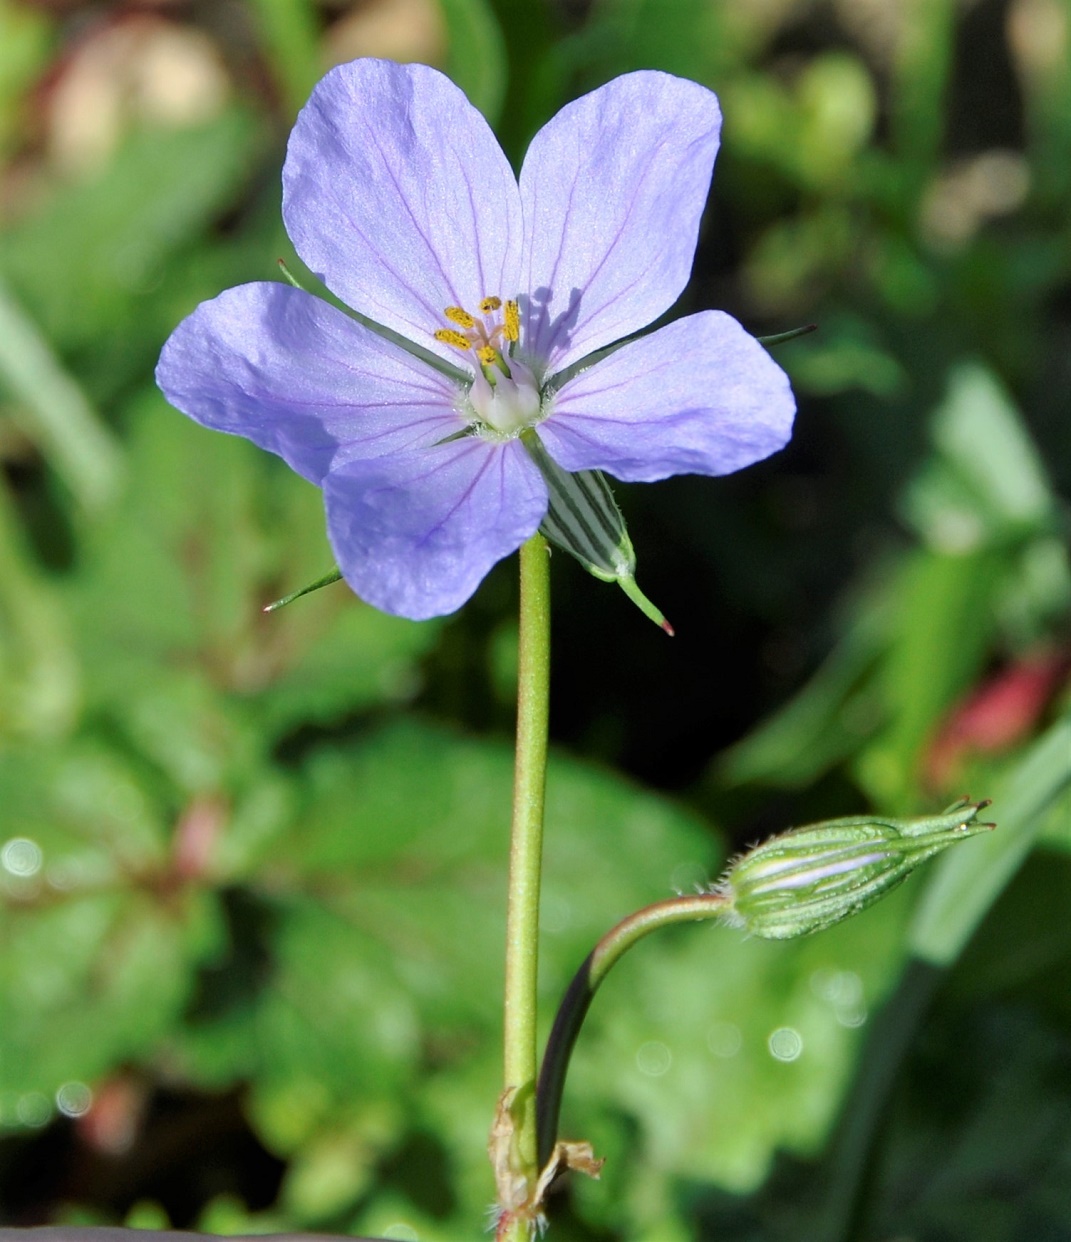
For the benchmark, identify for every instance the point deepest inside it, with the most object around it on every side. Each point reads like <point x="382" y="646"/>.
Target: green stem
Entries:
<point x="581" y="992"/>
<point x="526" y="847"/>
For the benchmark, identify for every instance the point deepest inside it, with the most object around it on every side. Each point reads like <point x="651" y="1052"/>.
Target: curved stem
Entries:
<point x="581" y="992"/>
<point x="522" y="920"/>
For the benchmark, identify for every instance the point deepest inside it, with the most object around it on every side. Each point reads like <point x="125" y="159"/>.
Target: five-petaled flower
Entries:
<point x="494" y="291"/>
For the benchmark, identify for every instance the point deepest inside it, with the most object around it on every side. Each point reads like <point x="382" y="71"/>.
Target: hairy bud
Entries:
<point x="810" y="878"/>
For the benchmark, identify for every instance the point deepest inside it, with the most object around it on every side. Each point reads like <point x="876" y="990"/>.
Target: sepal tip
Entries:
<point x="332" y="575"/>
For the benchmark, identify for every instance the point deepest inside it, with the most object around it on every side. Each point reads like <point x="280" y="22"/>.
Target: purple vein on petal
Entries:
<point x="465" y="495"/>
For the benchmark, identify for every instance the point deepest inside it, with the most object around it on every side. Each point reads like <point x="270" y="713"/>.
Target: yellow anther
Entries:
<point x="487" y="354"/>
<point x="450" y="336"/>
<point x="513" y="321"/>
<point x="460" y="316"/>
<point x="490" y="304"/>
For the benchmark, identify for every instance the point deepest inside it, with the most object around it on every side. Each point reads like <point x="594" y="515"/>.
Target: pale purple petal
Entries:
<point x="397" y="195"/>
<point x="301" y="379"/>
<point x="612" y="189"/>
<point x="415" y="533"/>
<point x="699" y="396"/>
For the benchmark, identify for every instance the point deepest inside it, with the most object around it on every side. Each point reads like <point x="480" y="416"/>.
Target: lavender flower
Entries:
<point x="479" y="303"/>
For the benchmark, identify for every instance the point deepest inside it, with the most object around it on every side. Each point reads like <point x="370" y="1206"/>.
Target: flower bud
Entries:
<point x="810" y="878"/>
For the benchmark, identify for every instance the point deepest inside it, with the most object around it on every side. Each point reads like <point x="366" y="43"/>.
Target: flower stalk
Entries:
<point x="581" y="992"/>
<point x="513" y="1142"/>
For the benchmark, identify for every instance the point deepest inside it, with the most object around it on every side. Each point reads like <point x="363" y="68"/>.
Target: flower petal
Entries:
<point x="415" y="533"/>
<point x="301" y="379"/>
<point x="699" y="396"/>
<point x="613" y="188"/>
<point x="397" y="195"/>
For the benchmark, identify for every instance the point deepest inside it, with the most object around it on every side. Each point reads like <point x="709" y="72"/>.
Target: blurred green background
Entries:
<point x="252" y="868"/>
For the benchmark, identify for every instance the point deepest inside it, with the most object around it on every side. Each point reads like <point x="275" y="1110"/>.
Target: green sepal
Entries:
<point x="332" y="575"/>
<point x="583" y="519"/>
<point x="291" y="279"/>
<point x="779" y="338"/>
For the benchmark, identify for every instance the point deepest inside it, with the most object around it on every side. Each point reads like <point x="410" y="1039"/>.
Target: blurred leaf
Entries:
<point x="39" y="676"/>
<point x="838" y="104"/>
<point x="786" y="266"/>
<point x="950" y="1171"/>
<point x="407" y="838"/>
<point x="923" y="61"/>
<point x="53" y="410"/>
<point x="987" y="481"/>
<point x="476" y="58"/>
<point x="921" y="638"/>
<point x="973" y="1146"/>
<point x="963" y="888"/>
<point x="83" y="264"/>
<point x="332" y="1015"/>
<point x="171" y="578"/>
<point x="346" y="658"/>
<point x="290" y="32"/>
<point x="813" y="129"/>
<point x="97" y="943"/>
<point x="394" y="1216"/>
<point x="686" y="38"/>
<point x="939" y="637"/>
<point x="24" y="44"/>
<point x="1056" y="824"/>
<point x="847" y="354"/>
<point x="1021" y="950"/>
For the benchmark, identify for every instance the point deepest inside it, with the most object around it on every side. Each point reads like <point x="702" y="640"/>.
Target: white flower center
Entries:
<point x="504" y="396"/>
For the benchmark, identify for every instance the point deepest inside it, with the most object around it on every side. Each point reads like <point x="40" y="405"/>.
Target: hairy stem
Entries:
<point x="522" y="920"/>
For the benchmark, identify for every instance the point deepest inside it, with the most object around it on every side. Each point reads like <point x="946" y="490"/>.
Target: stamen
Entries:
<point x="513" y="321"/>
<point x="460" y="316"/>
<point x="487" y="354"/>
<point x="450" y="336"/>
<point x="490" y="304"/>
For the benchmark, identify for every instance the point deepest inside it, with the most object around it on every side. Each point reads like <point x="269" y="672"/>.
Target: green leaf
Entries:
<point x="39" y="676"/>
<point x="290" y="31"/>
<point x="476" y="58"/>
<point x="964" y="888"/>
<point x="986" y="481"/>
<point x="939" y="638"/>
<point x="84" y="263"/>
<point x="407" y="838"/>
<point x="54" y="411"/>
<point x="99" y="948"/>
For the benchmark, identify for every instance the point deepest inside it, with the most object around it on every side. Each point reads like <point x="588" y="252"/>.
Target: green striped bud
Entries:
<point x="810" y="878"/>
<point x="583" y="519"/>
